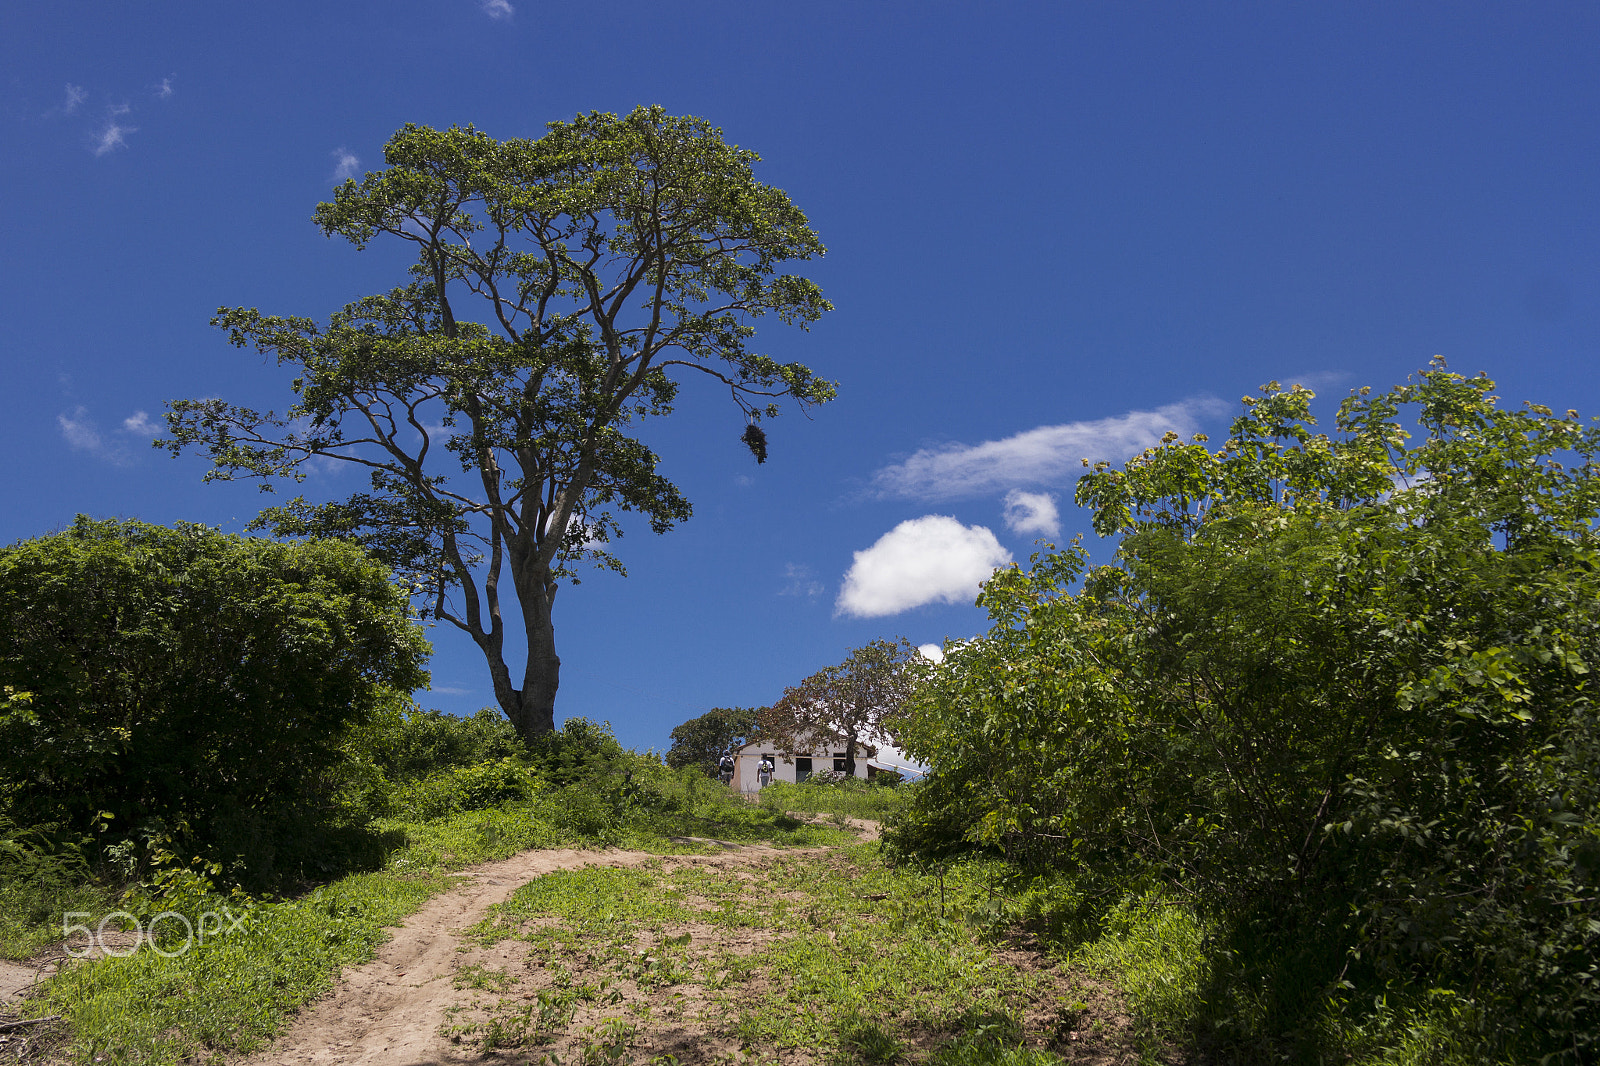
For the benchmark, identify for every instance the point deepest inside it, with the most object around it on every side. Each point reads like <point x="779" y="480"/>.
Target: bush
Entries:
<point x="1335" y="694"/>
<point x="420" y="743"/>
<point x="210" y="683"/>
<point x="466" y="788"/>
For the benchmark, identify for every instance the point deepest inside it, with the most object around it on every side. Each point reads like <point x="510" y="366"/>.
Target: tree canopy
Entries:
<point x="704" y="740"/>
<point x="850" y="705"/>
<point x="604" y="261"/>
<point x="1334" y="690"/>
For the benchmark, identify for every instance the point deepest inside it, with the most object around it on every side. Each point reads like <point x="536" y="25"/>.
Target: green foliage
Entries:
<point x="465" y="788"/>
<point x="603" y="262"/>
<point x="703" y="741"/>
<point x="585" y="750"/>
<point x="850" y="705"/>
<point x="1335" y="691"/>
<point x="210" y="685"/>
<point x="419" y="743"/>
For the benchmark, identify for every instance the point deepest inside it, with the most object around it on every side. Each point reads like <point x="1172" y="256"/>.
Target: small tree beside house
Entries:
<point x="841" y="712"/>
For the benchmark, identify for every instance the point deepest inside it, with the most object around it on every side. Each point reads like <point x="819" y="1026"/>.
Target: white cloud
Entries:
<point x="1317" y="381"/>
<point x="82" y="434"/>
<point x="76" y="94"/>
<point x="1032" y="512"/>
<point x="140" y="425"/>
<point x="164" y="89"/>
<point x="346" y="165"/>
<point x="931" y="652"/>
<point x="115" y="134"/>
<point x="497" y="9"/>
<point x="1045" y="455"/>
<point x="801" y="582"/>
<point x="932" y="559"/>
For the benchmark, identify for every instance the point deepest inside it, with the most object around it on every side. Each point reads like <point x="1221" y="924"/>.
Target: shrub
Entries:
<point x="466" y="788"/>
<point x="210" y="682"/>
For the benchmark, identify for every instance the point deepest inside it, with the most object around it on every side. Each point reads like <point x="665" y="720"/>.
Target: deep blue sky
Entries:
<point x="1037" y="215"/>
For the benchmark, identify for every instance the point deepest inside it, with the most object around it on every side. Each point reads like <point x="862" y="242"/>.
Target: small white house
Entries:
<point x="795" y="767"/>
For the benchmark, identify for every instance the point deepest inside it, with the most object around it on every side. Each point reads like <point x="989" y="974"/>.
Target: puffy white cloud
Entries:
<point x="931" y="652"/>
<point x="1041" y="456"/>
<point x="345" y="164"/>
<point x="1032" y="512"/>
<point x="932" y="559"/>
<point x="498" y="9"/>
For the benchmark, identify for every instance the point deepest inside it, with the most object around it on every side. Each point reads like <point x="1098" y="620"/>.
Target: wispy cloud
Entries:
<point x="932" y="559"/>
<point x="83" y="434"/>
<point x="163" y="89"/>
<point x="346" y="165"/>
<point x="1047" y="455"/>
<point x="114" y="134"/>
<point x="1032" y="512"/>
<point x="800" y="581"/>
<point x="497" y="9"/>
<point x="76" y="95"/>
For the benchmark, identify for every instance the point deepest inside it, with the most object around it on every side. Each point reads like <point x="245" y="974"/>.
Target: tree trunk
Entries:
<point x="536" y="594"/>
<point x="543" y="675"/>
<point x="850" y="756"/>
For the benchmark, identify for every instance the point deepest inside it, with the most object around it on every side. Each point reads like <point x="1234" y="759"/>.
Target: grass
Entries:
<point x="829" y="954"/>
<point x="851" y="798"/>
<point x="234" y="992"/>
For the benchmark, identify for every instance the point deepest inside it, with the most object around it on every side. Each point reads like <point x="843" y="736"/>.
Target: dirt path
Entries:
<point x="391" y="1010"/>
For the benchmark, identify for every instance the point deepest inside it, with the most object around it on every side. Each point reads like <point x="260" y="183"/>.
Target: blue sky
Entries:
<point x="1054" y="230"/>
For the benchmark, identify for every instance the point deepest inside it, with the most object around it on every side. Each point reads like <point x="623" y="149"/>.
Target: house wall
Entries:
<point x="748" y="761"/>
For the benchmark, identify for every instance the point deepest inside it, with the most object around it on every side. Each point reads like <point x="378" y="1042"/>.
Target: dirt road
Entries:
<point x="391" y="1010"/>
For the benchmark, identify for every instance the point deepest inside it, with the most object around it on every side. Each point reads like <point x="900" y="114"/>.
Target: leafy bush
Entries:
<point x="210" y="682"/>
<point x="420" y="742"/>
<point x="1336" y="694"/>
<point x="583" y="750"/>
<point x="465" y="788"/>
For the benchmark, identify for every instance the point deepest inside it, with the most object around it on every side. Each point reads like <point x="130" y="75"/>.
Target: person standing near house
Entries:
<point x="725" y="770"/>
<point x="764" y="773"/>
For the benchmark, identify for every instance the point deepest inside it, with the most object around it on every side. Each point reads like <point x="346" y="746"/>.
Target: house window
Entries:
<point x="838" y="761"/>
<point x="802" y="769"/>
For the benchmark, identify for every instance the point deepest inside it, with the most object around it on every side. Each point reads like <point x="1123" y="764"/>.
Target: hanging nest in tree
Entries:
<point x="755" y="438"/>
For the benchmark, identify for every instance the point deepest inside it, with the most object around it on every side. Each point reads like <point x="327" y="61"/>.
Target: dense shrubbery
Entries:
<point x="206" y="689"/>
<point x="1335" y="695"/>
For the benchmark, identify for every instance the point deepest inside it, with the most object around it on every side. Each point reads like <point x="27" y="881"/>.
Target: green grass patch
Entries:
<point x="856" y="961"/>
<point x="235" y="990"/>
<point x="850" y="797"/>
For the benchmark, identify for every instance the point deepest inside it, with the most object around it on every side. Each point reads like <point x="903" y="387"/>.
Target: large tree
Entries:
<point x="605" y="259"/>
<point x="849" y="705"/>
